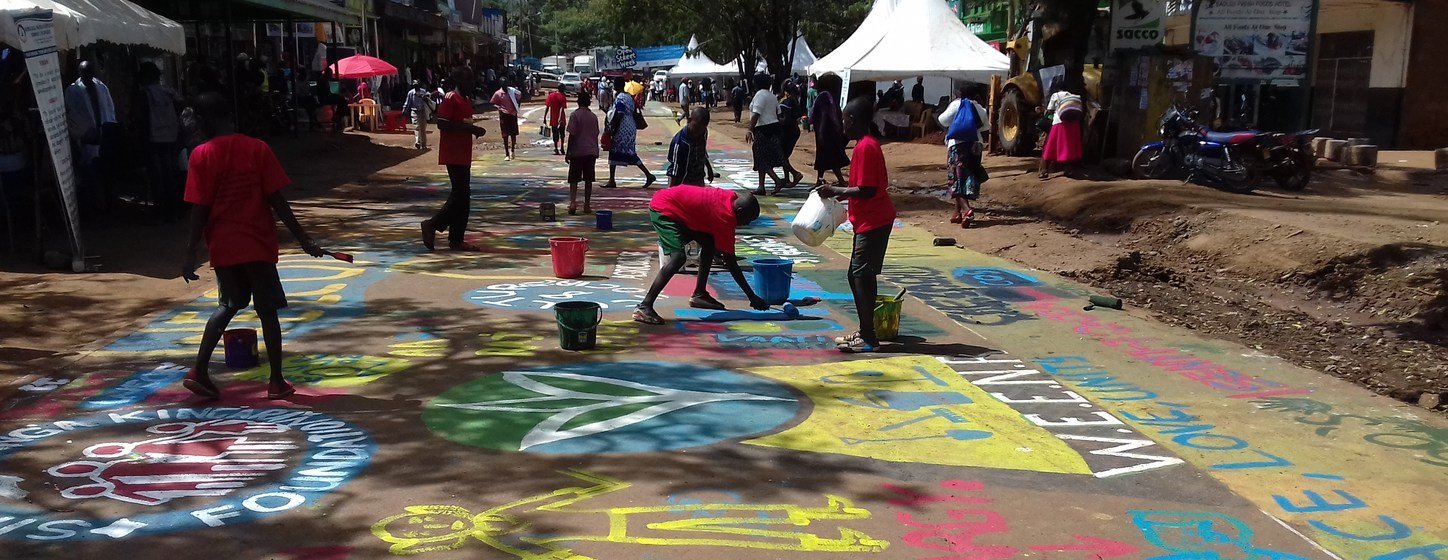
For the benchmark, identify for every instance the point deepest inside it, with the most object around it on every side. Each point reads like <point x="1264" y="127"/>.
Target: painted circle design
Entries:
<point x="619" y="407"/>
<point x="183" y="468"/>
<point x="544" y="294"/>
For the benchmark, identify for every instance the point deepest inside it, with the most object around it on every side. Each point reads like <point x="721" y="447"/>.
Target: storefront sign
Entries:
<point x="1256" y="39"/>
<point x="1136" y="24"/>
<point x="36" y="35"/>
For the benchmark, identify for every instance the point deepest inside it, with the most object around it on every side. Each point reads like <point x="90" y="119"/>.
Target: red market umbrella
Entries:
<point x="363" y="66"/>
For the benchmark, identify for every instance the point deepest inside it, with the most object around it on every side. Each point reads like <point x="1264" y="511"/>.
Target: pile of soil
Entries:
<point x="1359" y="291"/>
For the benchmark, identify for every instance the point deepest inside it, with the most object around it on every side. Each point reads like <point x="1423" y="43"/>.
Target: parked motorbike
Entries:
<point x="1226" y="160"/>
<point x="1288" y="158"/>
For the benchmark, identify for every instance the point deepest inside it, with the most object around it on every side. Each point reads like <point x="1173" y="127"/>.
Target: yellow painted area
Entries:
<point x="322" y="370"/>
<point x="505" y="528"/>
<point x="426" y="348"/>
<point x="914" y="410"/>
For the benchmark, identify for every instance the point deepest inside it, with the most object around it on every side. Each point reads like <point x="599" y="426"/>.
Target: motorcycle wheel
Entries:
<point x="1245" y="183"/>
<point x="1296" y="178"/>
<point x="1151" y="162"/>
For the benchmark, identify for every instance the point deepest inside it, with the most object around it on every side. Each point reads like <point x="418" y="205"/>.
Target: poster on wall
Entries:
<point x="1256" y="39"/>
<point x="1136" y="24"/>
<point x="36" y="37"/>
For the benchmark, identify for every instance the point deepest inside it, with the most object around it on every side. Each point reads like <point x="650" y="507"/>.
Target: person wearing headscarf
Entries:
<point x="624" y="132"/>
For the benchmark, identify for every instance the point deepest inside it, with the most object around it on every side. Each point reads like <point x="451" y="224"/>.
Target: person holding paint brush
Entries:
<point x="705" y="215"/>
<point x="234" y="183"/>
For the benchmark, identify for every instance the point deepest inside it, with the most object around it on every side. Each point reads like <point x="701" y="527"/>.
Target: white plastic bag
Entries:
<point x="817" y="219"/>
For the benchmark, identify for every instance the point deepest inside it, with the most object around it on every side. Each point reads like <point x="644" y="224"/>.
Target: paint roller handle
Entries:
<point x="900" y="295"/>
<point x="344" y="257"/>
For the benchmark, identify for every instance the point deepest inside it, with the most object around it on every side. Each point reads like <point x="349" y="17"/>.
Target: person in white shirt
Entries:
<point x="1063" y="142"/>
<point x="963" y="159"/>
<point x="764" y="137"/>
<point x="420" y="103"/>
<point x="88" y="108"/>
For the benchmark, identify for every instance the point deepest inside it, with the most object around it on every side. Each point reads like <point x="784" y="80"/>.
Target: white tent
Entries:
<point x="804" y="57"/>
<point x="695" y="64"/>
<point x="84" y="22"/>
<point x="906" y="38"/>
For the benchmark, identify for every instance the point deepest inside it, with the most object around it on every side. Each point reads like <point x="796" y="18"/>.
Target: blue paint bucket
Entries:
<point x="603" y="219"/>
<point x="772" y="278"/>
<point x="240" y="347"/>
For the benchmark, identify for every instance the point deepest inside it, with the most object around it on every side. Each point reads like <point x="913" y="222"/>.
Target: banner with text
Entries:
<point x="1136" y="24"/>
<point x="1257" y="39"/>
<point x="36" y="31"/>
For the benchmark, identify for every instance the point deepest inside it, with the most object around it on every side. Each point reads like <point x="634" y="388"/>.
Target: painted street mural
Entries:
<point x="437" y="415"/>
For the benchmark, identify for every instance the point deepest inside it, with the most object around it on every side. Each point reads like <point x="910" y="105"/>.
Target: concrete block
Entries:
<point x="1440" y="159"/>
<point x="1359" y="141"/>
<point x="1335" y="149"/>
<point x="1319" y="146"/>
<point x="1362" y="155"/>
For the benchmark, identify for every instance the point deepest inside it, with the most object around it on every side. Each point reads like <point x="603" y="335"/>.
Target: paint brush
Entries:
<point x="900" y="295"/>
<point x="344" y="257"/>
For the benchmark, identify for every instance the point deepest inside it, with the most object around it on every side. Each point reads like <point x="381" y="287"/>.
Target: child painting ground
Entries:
<point x="708" y="216"/>
<point x="234" y="182"/>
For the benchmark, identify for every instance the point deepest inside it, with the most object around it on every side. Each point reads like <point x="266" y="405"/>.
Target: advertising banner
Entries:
<point x="1136" y="24"/>
<point x="42" y="59"/>
<point x="1256" y="39"/>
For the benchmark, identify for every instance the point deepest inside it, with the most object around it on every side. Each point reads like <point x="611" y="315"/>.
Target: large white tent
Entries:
<point x="695" y="64"/>
<point x="83" y="22"/>
<point x="902" y="39"/>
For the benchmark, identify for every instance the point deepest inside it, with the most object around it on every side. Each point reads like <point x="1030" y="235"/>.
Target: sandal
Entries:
<point x="650" y="182"/>
<point x="706" y="301"/>
<point x="429" y="235"/>
<point x="647" y="316"/>
<point x="609" y="185"/>
<point x="967" y="218"/>
<point x="279" y="390"/>
<point x="193" y="384"/>
<point x="859" y="346"/>
<point x="847" y="339"/>
<point x="955" y="218"/>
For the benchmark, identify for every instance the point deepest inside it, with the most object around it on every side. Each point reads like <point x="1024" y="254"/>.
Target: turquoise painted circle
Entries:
<point x="607" y="408"/>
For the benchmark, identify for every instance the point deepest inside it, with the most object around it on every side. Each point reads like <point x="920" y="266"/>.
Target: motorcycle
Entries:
<point x="1227" y="160"/>
<point x="1288" y="158"/>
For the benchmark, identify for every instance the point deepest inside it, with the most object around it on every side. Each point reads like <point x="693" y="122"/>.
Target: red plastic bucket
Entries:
<point x="568" y="253"/>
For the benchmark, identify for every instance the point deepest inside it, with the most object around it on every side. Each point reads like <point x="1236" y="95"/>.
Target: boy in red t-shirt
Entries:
<point x="455" y="152"/>
<point x="873" y="216"/>
<point x="709" y="217"/>
<point x="235" y="183"/>
<point x="557" y="103"/>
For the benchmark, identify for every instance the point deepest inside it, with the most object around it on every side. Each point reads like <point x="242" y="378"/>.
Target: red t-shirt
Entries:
<point x="455" y="148"/>
<point x="233" y="175"/>
<point x="702" y="209"/>
<point x="867" y="169"/>
<point x="556" y="103"/>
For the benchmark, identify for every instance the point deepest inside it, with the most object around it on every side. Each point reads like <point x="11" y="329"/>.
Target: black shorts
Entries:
<point x="580" y="169"/>
<point x="508" y="124"/>
<point x="239" y="284"/>
<point x="868" y="257"/>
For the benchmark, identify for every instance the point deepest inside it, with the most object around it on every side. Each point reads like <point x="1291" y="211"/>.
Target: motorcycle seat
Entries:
<point x="1234" y="137"/>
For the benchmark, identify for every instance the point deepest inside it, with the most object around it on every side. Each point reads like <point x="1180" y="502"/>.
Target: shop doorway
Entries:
<point x="1340" y="85"/>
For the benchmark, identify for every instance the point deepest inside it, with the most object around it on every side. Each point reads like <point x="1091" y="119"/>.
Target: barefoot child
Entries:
<point x="582" y="154"/>
<point x="705" y="215"/>
<point x="235" y="183"/>
<point x="688" y="152"/>
<point x="873" y="216"/>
